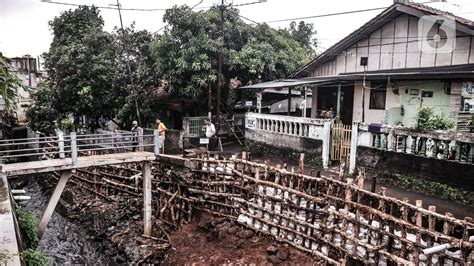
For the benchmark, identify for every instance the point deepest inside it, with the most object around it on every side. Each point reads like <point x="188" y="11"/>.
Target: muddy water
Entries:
<point x="64" y="242"/>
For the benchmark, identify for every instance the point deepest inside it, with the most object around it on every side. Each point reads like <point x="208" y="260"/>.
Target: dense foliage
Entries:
<point x="9" y="85"/>
<point x="190" y="44"/>
<point x="28" y="224"/>
<point x="104" y="76"/>
<point x="427" y="119"/>
<point x="43" y="113"/>
<point x="33" y="258"/>
<point x="90" y="75"/>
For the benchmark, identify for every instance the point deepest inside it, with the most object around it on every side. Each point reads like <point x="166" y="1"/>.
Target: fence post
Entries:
<point x="354" y="138"/>
<point x="73" y="147"/>
<point x="147" y="210"/>
<point x="61" y="144"/>
<point x="157" y="144"/>
<point x="326" y="143"/>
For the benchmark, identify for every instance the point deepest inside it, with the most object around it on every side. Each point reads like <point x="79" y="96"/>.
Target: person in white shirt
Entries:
<point x="210" y="134"/>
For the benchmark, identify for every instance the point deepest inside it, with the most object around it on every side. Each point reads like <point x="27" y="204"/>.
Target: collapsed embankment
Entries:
<point x="334" y="221"/>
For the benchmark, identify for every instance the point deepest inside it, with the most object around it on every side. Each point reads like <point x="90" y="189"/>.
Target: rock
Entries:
<point x="68" y="196"/>
<point x="274" y="259"/>
<point x="246" y="234"/>
<point x="233" y="230"/>
<point x="120" y="259"/>
<point x="239" y="243"/>
<point x="282" y="254"/>
<point x="272" y="250"/>
<point x="219" y="221"/>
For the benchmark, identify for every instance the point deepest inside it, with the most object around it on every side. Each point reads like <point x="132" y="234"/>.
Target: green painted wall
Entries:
<point x="411" y="103"/>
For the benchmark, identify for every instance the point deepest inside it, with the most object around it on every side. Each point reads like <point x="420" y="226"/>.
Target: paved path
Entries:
<point x="8" y="242"/>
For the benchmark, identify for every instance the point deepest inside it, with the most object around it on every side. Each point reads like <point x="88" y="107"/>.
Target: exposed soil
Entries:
<point x="208" y="240"/>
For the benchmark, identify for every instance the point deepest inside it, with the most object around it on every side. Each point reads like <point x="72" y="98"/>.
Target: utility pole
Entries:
<point x="363" y="96"/>
<point x="209" y="87"/>
<point x="128" y="65"/>
<point x="219" y="62"/>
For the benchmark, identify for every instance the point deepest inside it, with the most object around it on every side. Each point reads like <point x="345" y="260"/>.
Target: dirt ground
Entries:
<point x="207" y="240"/>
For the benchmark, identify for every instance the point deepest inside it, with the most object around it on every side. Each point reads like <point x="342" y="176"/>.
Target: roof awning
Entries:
<point x="286" y="83"/>
<point x="296" y="103"/>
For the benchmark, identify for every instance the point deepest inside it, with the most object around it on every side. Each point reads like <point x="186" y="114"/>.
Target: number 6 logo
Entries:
<point x="436" y="34"/>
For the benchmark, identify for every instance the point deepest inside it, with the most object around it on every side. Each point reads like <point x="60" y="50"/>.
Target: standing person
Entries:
<point x="210" y="134"/>
<point x="161" y="130"/>
<point x="118" y="141"/>
<point x="137" y="139"/>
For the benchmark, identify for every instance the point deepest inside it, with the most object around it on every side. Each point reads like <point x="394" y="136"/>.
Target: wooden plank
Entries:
<point x="53" y="201"/>
<point x="26" y="168"/>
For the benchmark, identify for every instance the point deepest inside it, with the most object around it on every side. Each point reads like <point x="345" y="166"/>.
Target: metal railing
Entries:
<point x="75" y="145"/>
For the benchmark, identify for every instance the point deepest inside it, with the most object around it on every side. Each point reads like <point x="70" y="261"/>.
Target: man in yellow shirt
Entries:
<point x="161" y="131"/>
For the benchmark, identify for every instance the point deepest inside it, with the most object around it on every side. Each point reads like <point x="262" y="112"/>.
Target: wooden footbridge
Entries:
<point x="22" y="157"/>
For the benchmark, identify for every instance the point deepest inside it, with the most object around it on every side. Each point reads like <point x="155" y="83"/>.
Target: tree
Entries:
<point x="88" y="68"/>
<point x="188" y="48"/>
<point x="133" y="49"/>
<point x="80" y="64"/>
<point x="43" y="114"/>
<point x="9" y="85"/>
<point x="304" y="33"/>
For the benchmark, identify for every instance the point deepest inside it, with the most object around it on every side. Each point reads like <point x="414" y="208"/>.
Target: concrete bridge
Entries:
<point x="65" y="154"/>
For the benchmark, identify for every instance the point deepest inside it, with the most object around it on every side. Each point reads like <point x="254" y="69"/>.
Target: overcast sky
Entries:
<point x="24" y="23"/>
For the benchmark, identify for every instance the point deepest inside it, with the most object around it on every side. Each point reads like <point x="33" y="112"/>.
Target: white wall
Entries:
<point x="372" y="115"/>
<point x="395" y="45"/>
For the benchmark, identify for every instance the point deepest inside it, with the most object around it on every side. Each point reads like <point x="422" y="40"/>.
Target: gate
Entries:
<point x="340" y="141"/>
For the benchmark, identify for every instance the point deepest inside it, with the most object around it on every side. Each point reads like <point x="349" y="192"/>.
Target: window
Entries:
<point x="427" y="94"/>
<point x="378" y="94"/>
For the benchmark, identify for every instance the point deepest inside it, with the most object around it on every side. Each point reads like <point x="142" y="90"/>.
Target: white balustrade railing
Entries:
<point x="438" y="144"/>
<point x="287" y="125"/>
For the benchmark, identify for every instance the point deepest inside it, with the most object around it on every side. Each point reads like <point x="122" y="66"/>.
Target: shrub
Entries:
<point x="28" y="224"/>
<point x="428" y="120"/>
<point x="33" y="258"/>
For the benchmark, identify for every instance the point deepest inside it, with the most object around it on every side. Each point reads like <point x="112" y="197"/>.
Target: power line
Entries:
<point x="104" y="7"/>
<point x="139" y="9"/>
<point x="327" y="15"/>
<point x="341" y="13"/>
<point x="160" y="29"/>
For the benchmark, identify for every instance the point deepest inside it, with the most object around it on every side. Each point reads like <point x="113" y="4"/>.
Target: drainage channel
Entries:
<point x="65" y="241"/>
<point x="334" y="220"/>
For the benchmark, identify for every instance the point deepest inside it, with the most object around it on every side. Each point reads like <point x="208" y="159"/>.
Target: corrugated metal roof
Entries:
<point x="442" y="72"/>
<point x="284" y="83"/>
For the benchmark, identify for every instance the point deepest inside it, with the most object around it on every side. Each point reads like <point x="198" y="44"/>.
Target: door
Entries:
<point x="340" y="141"/>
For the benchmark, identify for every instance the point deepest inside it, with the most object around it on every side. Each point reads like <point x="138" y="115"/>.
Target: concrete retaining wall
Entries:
<point x="442" y="171"/>
<point x="298" y="144"/>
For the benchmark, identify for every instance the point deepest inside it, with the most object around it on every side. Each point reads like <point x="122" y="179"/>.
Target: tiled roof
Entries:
<point x="439" y="12"/>
<point x="390" y="13"/>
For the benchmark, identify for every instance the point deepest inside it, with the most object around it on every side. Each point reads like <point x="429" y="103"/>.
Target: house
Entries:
<point x="409" y="56"/>
<point x="27" y="69"/>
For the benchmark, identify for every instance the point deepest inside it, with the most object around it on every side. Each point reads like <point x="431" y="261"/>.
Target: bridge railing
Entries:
<point x="76" y="145"/>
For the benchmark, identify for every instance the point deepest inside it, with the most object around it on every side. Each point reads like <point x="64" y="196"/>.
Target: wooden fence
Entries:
<point x="335" y="220"/>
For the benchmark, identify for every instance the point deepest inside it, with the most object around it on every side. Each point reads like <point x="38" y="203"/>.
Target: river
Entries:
<point x="64" y="242"/>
